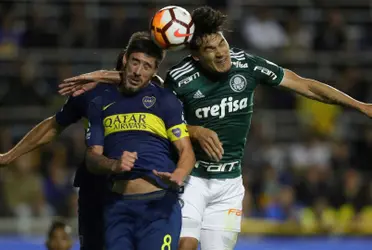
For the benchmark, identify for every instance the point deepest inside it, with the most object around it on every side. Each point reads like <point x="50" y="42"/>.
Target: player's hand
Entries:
<point x="80" y="84"/>
<point x="126" y="162"/>
<point x="174" y="179"/>
<point x="366" y="108"/>
<point x="158" y="80"/>
<point x="4" y="160"/>
<point x="210" y="143"/>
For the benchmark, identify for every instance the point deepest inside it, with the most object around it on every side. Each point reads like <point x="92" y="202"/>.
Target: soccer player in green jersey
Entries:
<point x="216" y="84"/>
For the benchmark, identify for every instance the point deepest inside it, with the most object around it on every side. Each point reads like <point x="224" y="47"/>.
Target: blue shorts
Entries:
<point x="143" y="222"/>
<point x="90" y="217"/>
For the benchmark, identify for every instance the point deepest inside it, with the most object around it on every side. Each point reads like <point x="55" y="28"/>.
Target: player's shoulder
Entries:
<point x="99" y="91"/>
<point x="160" y="92"/>
<point x="182" y="73"/>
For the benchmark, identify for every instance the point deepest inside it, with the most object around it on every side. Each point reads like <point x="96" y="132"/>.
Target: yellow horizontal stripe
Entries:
<point x="135" y="122"/>
<point x="177" y="132"/>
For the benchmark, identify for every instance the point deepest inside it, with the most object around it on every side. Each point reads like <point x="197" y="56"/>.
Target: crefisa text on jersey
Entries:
<point x="240" y="65"/>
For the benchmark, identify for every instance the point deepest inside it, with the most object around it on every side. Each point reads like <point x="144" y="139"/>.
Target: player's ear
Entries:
<point x="125" y="59"/>
<point x="194" y="55"/>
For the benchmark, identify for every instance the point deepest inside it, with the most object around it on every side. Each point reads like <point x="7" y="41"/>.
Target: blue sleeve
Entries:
<point x="173" y="117"/>
<point x="95" y="132"/>
<point x="70" y="112"/>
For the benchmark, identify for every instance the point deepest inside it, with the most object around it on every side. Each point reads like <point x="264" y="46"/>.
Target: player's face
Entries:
<point x="60" y="240"/>
<point x="138" y="71"/>
<point x="214" y="53"/>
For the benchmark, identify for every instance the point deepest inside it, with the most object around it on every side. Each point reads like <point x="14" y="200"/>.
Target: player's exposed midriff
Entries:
<point x="136" y="186"/>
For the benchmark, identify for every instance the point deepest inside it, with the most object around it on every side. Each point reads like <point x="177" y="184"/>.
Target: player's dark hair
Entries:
<point x="119" y="60"/>
<point x="142" y="42"/>
<point x="207" y="21"/>
<point x="119" y="66"/>
<point x="56" y="224"/>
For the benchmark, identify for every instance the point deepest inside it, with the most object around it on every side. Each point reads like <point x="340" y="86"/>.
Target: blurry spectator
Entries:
<point x="352" y="82"/>
<point x="319" y="218"/>
<point x="283" y="208"/>
<point x="351" y="194"/>
<point x="116" y="31"/>
<point x="80" y="32"/>
<point x="270" y="186"/>
<point x="313" y="152"/>
<point x="341" y="156"/>
<point x="310" y="187"/>
<point x="23" y="190"/>
<point x="363" y="151"/>
<point x="11" y="32"/>
<point x="274" y="154"/>
<point x="366" y="39"/>
<point x="299" y="36"/>
<point x="318" y="116"/>
<point x="58" y="184"/>
<point x="27" y="88"/>
<point x="263" y="32"/>
<point x="59" y="236"/>
<point x="332" y="35"/>
<point x="40" y="33"/>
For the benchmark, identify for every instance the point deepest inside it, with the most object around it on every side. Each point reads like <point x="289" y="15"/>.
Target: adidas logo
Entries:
<point x="198" y="94"/>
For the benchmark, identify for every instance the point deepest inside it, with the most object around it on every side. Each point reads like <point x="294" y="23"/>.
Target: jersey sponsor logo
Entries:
<point x="107" y="106"/>
<point x="234" y="211"/>
<point x="148" y="101"/>
<point x="240" y="65"/>
<point x="143" y="122"/>
<point x="188" y="79"/>
<point x="227" y="105"/>
<point x="238" y="83"/>
<point x="222" y="167"/>
<point x="266" y="71"/>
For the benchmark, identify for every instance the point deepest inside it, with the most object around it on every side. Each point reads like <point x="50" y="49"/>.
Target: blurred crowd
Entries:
<point x="319" y="168"/>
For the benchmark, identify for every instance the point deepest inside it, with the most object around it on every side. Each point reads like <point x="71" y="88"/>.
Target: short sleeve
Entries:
<point x="266" y="72"/>
<point x="174" y="118"/>
<point x="70" y="112"/>
<point x="95" y="131"/>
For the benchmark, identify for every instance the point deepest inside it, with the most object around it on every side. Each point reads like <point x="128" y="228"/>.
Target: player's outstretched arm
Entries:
<point x="41" y="134"/>
<point x="322" y="92"/>
<point x="97" y="163"/>
<point x="80" y="84"/>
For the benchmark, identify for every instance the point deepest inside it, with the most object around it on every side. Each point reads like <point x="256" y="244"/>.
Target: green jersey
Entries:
<point x="222" y="103"/>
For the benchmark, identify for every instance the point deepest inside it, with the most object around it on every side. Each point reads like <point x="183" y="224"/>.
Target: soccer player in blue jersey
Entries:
<point x="134" y="135"/>
<point x="90" y="186"/>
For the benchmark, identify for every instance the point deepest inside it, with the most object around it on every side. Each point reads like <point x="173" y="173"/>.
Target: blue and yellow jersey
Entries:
<point x="75" y="109"/>
<point x="146" y="122"/>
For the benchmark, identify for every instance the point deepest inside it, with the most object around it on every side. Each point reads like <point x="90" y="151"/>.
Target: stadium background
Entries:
<point x="307" y="165"/>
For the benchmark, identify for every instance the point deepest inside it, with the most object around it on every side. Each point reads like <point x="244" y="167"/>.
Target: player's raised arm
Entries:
<point x="44" y="132"/>
<point x="271" y="74"/>
<point x="80" y="84"/>
<point x="41" y="134"/>
<point x="322" y="92"/>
